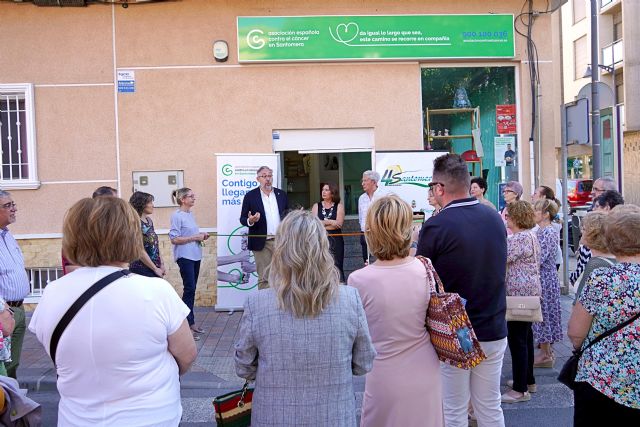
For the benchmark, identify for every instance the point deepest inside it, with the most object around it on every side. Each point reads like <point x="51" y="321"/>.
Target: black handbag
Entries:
<point x="569" y="370"/>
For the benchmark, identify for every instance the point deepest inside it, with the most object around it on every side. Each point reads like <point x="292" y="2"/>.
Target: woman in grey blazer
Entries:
<point x="302" y="339"/>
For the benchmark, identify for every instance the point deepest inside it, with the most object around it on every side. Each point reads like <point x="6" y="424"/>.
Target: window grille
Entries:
<point x="39" y="278"/>
<point x="17" y="137"/>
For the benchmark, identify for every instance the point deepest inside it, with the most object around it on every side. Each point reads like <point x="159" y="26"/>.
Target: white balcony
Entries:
<point x="610" y="6"/>
<point x="612" y="55"/>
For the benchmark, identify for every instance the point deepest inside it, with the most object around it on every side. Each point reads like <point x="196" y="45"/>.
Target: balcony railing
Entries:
<point x="613" y="54"/>
<point x="605" y="3"/>
<point x="39" y="278"/>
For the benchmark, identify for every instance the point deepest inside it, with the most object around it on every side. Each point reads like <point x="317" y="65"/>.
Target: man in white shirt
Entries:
<point x="262" y="210"/>
<point x="370" y="186"/>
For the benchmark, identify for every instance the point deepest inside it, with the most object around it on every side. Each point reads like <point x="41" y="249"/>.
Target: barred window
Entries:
<point x="17" y="137"/>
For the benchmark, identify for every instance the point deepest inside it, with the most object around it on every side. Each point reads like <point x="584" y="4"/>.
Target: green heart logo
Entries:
<point x="344" y="33"/>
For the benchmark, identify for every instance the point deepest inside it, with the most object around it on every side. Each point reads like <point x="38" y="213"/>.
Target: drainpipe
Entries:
<point x="595" y="94"/>
<point x="539" y="124"/>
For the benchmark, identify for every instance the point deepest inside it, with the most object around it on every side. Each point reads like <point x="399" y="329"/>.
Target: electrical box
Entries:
<point x="160" y="184"/>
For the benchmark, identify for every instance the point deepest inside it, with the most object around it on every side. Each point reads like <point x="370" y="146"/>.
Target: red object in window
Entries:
<point x="470" y="156"/>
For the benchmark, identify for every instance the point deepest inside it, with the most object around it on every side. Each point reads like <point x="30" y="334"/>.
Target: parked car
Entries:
<point x="579" y="192"/>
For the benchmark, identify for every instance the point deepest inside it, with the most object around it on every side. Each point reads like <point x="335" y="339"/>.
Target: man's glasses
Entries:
<point x="265" y="176"/>
<point x="433" y="184"/>
<point x="10" y="205"/>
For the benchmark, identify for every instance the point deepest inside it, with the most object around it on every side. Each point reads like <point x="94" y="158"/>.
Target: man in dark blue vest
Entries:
<point x="467" y="243"/>
<point x="262" y="210"/>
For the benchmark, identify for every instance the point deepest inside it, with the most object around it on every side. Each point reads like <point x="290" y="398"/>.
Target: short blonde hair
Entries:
<point x="303" y="273"/>
<point x="101" y="231"/>
<point x="389" y="227"/>
<point x="622" y="230"/>
<point x="593" y="231"/>
<point x="547" y="206"/>
<point x="521" y="214"/>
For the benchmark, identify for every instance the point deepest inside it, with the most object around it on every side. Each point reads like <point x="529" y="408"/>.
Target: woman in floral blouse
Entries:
<point x="549" y="330"/>
<point x="523" y="279"/>
<point x="608" y="380"/>
<point x="7" y="323"/>
<point x="150" y="264"/>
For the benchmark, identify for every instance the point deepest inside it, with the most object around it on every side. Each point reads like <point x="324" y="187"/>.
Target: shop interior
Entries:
<point x="471" y="111"/>
<point x="304" y="174"/>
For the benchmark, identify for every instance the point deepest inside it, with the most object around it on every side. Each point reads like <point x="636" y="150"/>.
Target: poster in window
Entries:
<point x="506" y="119"/>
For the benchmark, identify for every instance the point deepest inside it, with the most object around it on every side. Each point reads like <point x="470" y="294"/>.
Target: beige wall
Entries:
<point x="571" y="32"/>
<point x="187" y="107"/>
<point x="631" y="181"/>
<point x="179" y="117"/>
<point x="631" y="35"/>
<point x="46" y="253"/>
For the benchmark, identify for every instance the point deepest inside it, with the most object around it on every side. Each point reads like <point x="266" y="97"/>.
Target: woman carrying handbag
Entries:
<point x="522" y="280"/>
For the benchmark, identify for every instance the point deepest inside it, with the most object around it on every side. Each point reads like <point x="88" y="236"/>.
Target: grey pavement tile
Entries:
<point x="214" y="374"/>
<point x="217" y="365"/>
<point x="537" y="417"/>
<point x="548" y="396"/>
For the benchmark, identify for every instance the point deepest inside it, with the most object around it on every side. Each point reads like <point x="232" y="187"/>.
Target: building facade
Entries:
<point x="128" y="97"/>
<point x="619" y="58"/>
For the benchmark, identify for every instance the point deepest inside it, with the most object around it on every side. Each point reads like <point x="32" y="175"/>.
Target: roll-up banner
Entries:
<point x="236" y="273"/>
<point x="407" y="174"/>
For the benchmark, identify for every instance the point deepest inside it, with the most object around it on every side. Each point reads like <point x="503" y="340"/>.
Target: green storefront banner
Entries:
<point x="388" y="37"/>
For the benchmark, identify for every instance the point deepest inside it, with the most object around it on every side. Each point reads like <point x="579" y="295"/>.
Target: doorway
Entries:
<point x="304" y="174"/>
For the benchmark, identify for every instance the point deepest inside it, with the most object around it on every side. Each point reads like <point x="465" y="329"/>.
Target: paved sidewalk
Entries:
<point x="212" y="369"/>
<point x="213" y="374"/>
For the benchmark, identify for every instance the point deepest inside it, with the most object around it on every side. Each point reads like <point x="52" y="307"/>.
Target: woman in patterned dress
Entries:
<point x="523" y="279"/>
<point x="331" y="213"/>
<point x="150" y="263"/>
<point x="549" y="330"/>
<point x="608" y="381"/>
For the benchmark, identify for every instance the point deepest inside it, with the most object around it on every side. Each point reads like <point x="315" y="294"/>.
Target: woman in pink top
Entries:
<point x="404" y="387"/>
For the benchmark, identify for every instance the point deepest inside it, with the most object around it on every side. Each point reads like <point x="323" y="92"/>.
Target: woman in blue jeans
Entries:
<point x="187" y="249"/>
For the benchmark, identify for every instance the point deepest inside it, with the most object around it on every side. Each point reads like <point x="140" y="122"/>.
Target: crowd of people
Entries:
<point x="304" y="334"/>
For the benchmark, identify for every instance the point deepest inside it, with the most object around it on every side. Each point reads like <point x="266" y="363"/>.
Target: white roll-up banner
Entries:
<point x="236" y="273"/>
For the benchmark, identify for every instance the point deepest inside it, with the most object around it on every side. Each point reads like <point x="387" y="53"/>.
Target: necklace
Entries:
<point x="326" y="213"/>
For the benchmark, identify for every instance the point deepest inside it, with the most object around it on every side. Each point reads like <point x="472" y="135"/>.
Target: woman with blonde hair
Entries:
<point x="118" y="360"/>
<point x="404" y="387"/>
<point x="187" y="241"/>
<point x="549" y="330"/>
<point x="303" y="338"/>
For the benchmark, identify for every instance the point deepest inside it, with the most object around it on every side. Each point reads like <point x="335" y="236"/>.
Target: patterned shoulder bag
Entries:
<point x="449" y="326"/>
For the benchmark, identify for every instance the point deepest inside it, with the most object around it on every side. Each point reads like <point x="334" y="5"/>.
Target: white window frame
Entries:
<point x="24" y="90"/>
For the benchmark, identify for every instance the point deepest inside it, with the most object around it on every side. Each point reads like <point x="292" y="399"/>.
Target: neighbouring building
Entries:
<point x="619" y="63"/>
<point x="146" y="96"/>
